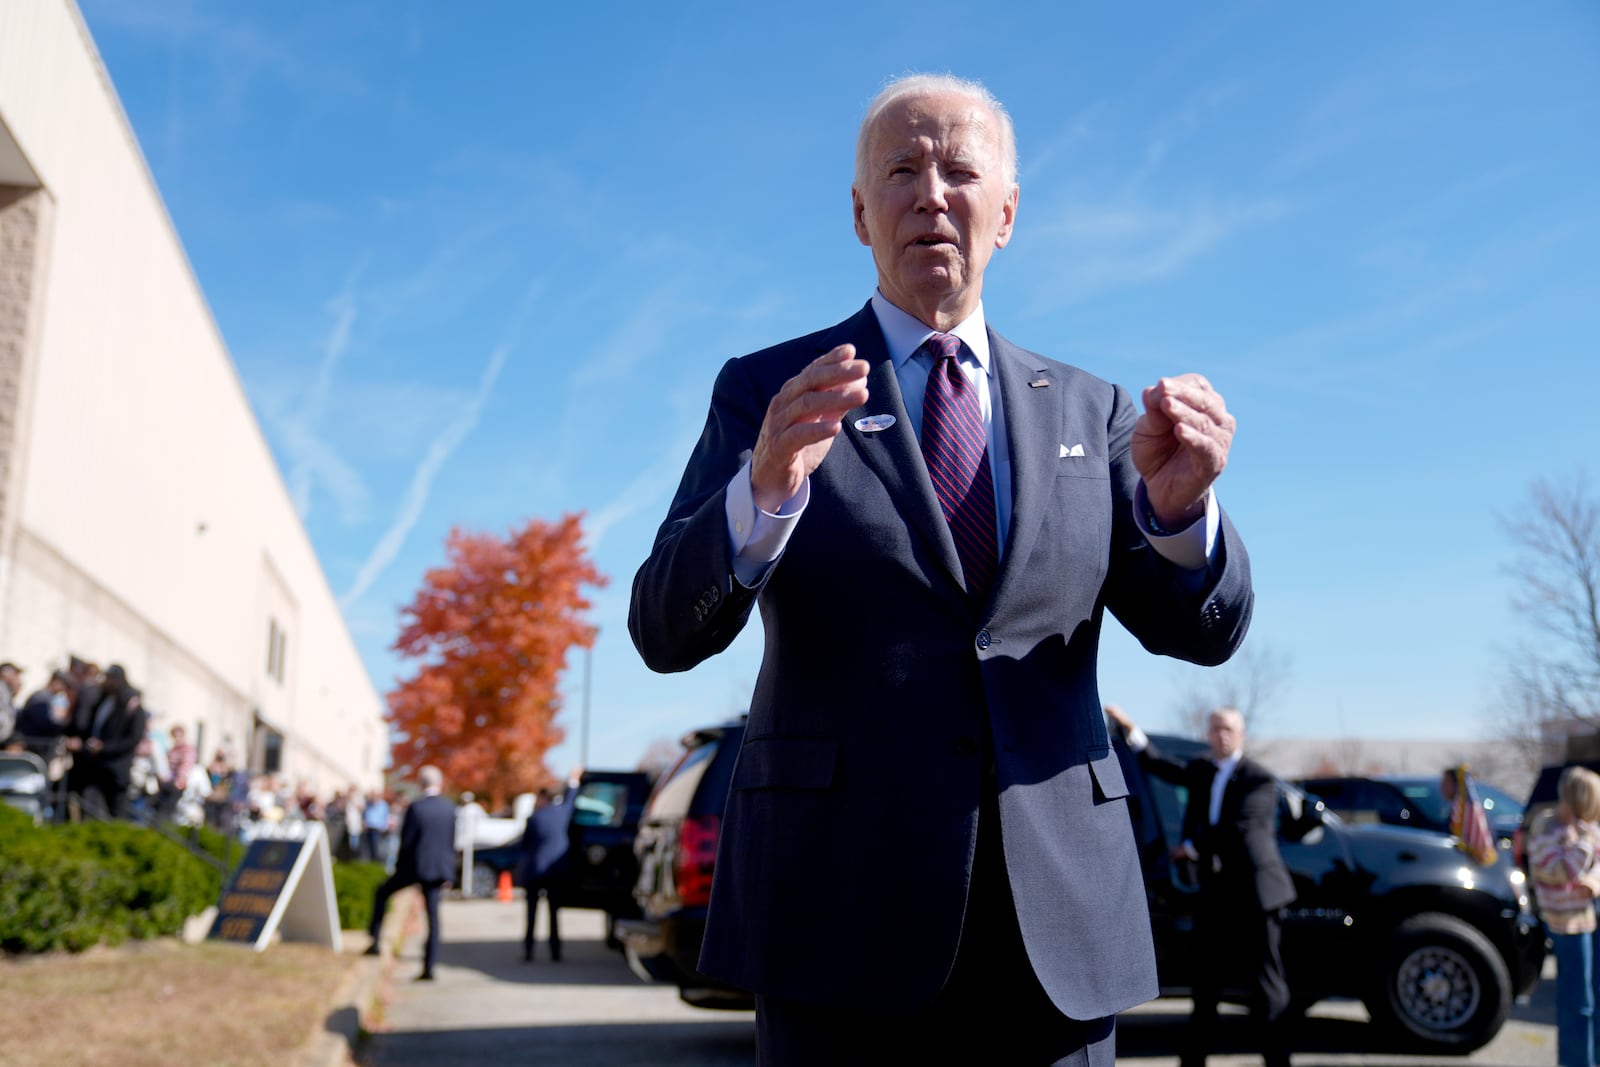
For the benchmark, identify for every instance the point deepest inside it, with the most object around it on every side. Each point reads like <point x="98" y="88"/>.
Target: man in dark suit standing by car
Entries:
<point x="934" y="522"/>
<point x="427" y="859"/>
<point x="1230" y="834"/>
<point x="545" y="865"/>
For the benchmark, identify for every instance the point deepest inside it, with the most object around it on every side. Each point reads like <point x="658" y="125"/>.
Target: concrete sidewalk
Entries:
<point x="487" y="1006"/>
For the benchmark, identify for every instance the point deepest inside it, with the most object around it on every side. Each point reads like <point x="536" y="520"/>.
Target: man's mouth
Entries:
<point x="932" y="239"/>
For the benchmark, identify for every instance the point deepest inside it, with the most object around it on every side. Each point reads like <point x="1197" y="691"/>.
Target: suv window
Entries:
<point x="601" y="804"/>
<point x="1388" y="803"/>
<point x="1498" y="801"/>
<point x="675" y="794"/>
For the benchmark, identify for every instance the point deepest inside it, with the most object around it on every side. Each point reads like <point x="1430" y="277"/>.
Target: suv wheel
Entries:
<point x="485" y="881"/>
<point x="1444" y="987"/>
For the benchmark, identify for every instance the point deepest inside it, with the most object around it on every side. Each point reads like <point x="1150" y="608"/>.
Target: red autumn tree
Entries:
<point x="493" y="628"/>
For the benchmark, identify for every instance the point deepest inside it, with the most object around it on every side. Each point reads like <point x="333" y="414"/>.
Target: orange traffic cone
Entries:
<point x="504" y="893"/>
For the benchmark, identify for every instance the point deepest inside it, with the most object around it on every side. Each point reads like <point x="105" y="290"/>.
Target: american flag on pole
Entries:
<point x="1468" y="822"/>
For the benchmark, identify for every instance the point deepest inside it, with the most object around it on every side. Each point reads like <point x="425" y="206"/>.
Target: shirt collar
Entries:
<point x="1226" y="764"/>
<point x="904" y="333"/>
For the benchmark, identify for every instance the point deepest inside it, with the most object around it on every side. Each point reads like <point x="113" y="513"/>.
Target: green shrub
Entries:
<point x="354" y="883"/>
<point x="75" y="886"/>
<point x="54" y="898"/>
<point x="220" y="846"/>
<point x="13" y="822"/>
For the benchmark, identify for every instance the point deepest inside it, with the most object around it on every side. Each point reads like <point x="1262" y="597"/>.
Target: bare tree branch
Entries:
<point x="1553" y="677"/>
<point x="1255" y="682"/>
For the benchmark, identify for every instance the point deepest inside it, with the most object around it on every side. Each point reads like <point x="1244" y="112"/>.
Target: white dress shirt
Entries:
<point x="758" y="537"/>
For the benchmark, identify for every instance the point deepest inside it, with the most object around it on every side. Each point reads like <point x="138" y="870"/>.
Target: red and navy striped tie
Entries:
<point x="956" y="450"/>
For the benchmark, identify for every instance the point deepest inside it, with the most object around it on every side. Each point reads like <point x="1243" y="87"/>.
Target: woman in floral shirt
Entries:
<point x="1566" y="879"/>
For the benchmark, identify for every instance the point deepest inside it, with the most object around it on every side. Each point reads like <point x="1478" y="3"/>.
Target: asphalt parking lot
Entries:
<point x="487" y="1006"/>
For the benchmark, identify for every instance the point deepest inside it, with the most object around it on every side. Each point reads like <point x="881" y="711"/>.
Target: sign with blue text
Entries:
<point x="283" y="885"/>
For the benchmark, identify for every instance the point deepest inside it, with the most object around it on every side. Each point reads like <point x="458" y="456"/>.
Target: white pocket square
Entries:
<point x="1075" y="451"/>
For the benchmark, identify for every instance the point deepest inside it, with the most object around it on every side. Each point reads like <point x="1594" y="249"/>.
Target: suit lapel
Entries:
<point x="894" y="455"/>
<point x="1034" y="415"/>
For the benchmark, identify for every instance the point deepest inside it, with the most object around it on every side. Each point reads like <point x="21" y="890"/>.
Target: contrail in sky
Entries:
<point x="313" y="457"/>
<point x="388" y="546"/>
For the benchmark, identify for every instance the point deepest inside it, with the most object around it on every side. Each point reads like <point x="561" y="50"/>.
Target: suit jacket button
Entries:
<point x="983" y="640"/>
<point x="965" y="746"/>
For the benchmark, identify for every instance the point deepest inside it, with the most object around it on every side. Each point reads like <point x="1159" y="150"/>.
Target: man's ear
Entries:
<point x="858" y="209"/>
<point x="1008" y="217"/>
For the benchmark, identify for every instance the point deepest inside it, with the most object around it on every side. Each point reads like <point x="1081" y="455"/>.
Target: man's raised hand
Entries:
<point x="801" y="423"/>
<point x="1180" y="445"/>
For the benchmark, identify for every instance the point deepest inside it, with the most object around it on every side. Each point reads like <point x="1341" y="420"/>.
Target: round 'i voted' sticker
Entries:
<point x="874" y="423"/>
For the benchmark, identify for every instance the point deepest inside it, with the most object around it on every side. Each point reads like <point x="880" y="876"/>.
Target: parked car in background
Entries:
<point x="1411" y="800"/>
<point x="1541" y="804"/>
<point x="1399" y="918"/>
<point x="1436" y="947"/>
<point x="607" y="808"/>
<point x="677" y="848"/>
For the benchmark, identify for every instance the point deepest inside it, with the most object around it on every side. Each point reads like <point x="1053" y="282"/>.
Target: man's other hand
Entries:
<point x="1180" y="445"/>
<point x="801" y="423"/>
<point x="1120" y="717"/>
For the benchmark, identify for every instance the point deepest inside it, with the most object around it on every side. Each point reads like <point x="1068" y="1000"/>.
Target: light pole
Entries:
<point x="588" y="684"/>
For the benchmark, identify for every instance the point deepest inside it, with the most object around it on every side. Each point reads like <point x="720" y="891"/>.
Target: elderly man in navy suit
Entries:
<point x="926" y="855"/>
<point x="427" y="859"/>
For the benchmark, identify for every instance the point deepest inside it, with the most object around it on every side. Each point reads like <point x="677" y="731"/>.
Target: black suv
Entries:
<point x="1411" y="800"/>
<point x="1434" y="945"/>
<point x="608" y="807"/>
<point x="676" y="847"/>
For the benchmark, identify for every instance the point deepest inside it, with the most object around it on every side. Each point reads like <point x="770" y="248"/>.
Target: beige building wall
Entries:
<point x="142" y="517"/>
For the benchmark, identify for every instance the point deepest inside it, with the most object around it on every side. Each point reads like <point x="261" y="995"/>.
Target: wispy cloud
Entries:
<point x="1195" y="113"/>
<point x="240" y="50"/>
<point x="1120" y="246"/>
<point x="313" y="463"/>
<point x="416" y="497"/>
<point x="645" y="493"/>
<point x="635" y="339"/>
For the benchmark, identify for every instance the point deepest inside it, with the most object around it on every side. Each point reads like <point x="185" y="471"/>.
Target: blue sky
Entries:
<point x="481" y="263"/>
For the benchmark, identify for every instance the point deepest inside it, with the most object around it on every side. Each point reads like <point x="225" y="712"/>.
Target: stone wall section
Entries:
<point x="19" y="246"/>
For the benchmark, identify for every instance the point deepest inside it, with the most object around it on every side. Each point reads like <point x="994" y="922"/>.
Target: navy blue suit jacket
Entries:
<point x="847" y="846"/>
<point x="427" y="841"/>
<point x="544" y="857"/>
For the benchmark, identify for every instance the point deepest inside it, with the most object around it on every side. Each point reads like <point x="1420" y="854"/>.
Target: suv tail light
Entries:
<point x="697" y="853"/>
<point x="1517" y="848"/>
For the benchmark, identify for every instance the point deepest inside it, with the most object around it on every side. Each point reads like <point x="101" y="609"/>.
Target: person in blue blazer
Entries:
<point x="427" y="859"/>
<point x="544" y="865"/>
<point x="926" y="855"/>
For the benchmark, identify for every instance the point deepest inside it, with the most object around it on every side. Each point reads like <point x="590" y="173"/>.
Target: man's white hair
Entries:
<point x="1233" y="714"/>
<point x="431" y="777"/>
<point x="933" y="85"/>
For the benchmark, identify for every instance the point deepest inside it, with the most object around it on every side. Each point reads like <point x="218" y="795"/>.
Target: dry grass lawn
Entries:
<point x="157" y="1004"/>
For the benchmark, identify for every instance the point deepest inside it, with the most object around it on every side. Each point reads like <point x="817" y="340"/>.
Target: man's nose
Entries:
<point x="931" y="191"/>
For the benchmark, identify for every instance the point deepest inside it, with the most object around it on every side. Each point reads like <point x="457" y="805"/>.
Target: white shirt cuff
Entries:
<point x="1191" y="547"/>
<point x="1137" y="740"/>
<point x="758" y="537"/>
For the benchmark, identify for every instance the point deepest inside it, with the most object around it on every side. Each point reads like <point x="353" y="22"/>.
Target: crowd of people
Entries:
<point x="106" y="755"/>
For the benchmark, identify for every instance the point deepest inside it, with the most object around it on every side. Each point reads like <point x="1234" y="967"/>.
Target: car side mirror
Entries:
<point x="1302" y="818"/>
